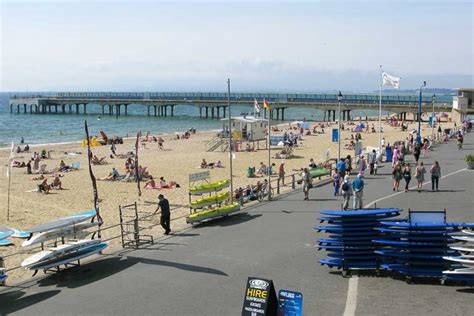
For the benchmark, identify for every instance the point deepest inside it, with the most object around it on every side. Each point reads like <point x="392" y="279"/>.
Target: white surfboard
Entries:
<point x="464" y="238"/>
<point x="70" y="257"/>
<point x="463" y="248"/>
<point x="467" y="231"/>
<point x="67" y="232"/>
<point x="63" y="222"/>
<point x="55" y="252"/>
<point x="460" y="271"/>
<point x="467" y="262"/>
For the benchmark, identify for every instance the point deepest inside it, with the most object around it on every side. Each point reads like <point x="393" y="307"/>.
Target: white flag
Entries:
<point x="10" y="160"/>
<point x="257" y="106"/>
<point x="390" y="81"/>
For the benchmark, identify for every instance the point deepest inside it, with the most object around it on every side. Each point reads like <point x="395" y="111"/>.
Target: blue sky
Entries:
<point x="268" y="46"/>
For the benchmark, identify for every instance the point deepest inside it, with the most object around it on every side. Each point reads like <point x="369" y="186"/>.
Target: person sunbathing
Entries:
<point x="262" y="170"/>
<point x="57" y="184"/>
<point x="150" y="184"/>
<point x="160" y="142"/>
<point x="165" y="185"/>
<point x="40" y="177"/>
<point x="44" y="187"/>
<point x="142" y="172"/>
<point x="218" y="164"/>
<point x="203" y="164"/>
<point x="129" y="175"/>
<point x="97" y="161"/>
<point x="113" y="176"/>
<point x="18" y="164"/>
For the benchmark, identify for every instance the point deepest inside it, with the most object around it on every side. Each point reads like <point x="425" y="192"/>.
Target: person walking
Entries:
<point x="358" y="188"/>
<point x="341" y="167"/>
<point x="420" y="175"/>
<point x="396" y="175"/>
<point x="372" y="161"/>
<point x="348" y="164"/>
<point x="281" y="173"/>
<point x="306" y="180"/>
<point x="435" y="171"/>
<point x="346" y="191"/>
<point x="362" y="165"/>
<point x="407" y="175"/>
<point x="416" y="152"/>
<point x="164" y="205"/>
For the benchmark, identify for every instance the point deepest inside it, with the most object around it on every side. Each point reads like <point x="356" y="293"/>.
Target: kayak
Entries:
<point x="213" y="212"/>
<point x="209" y="200"/>
<point x="209" y="187"/>
<point x="317" y="172"/>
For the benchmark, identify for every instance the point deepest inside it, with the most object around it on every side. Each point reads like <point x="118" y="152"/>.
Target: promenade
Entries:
<point x="203" y="270"/>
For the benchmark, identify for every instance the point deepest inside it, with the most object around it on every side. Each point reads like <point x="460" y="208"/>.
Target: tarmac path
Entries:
<point x="203" y="270"/>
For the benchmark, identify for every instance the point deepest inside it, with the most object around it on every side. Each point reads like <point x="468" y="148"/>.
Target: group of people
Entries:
<point x="211" y="165"/>
<point x="251" y="192"/>
<point x="403" y="170"/>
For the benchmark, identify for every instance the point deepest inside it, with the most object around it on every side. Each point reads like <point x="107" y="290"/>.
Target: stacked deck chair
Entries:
<point x="466" y="258"/>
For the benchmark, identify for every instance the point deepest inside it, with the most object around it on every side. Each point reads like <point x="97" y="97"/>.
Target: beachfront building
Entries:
<point x="462" y="104"/>
<point x="247" y="128"/>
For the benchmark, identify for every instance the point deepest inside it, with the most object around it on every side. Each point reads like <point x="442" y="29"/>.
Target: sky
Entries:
<point x="281" y="46"/>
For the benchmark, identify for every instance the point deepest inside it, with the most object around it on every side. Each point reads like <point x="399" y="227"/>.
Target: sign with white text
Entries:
<point x="260" y="298"/>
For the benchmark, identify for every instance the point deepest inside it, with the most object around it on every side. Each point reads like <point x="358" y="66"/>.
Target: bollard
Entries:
<point x="278" y="186"/>
<point x="293" y="181"/>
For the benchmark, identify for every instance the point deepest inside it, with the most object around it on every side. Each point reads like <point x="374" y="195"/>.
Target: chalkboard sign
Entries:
<point x="260" y="298"/>
<point x="290" y="303"/>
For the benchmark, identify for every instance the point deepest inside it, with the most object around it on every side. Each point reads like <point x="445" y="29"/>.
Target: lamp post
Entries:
<point x="418" y="136"/>
<point x="230" y="143"/>
<point x="339" y="99"/>
<point x="433" y="99"/>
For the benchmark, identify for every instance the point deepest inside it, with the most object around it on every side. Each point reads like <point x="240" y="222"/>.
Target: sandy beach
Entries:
<point x="179" y="159"/>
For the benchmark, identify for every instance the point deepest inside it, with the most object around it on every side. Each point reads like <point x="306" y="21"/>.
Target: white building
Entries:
<point x="247" y="128"/>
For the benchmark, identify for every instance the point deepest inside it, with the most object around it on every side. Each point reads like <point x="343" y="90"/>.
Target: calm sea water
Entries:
<point x="56" y="128"/>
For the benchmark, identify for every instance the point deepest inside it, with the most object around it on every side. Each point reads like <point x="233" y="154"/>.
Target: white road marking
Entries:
<point x="351" y="300"/>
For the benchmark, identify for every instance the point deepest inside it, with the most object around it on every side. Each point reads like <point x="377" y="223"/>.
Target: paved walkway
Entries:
<point x="203" y="271"/>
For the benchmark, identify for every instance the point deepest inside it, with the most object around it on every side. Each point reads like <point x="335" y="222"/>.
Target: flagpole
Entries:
<point x="380" y="112"/>
<point x="269" y="153"/>
<point x="230" y="143"/>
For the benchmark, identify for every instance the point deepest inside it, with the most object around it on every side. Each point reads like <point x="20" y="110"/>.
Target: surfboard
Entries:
<point x="63" y="222"/>
<point x="70" y="257"/>
<point x="343" y="242"/>
<point x="17" y="233"/>
<point x="465" y="271"/>
<point x="399" y="254"/>
<point x="463" y="248"/>
<point x="345" y="248"/>
<point x="464" y="238"/>
<point x="362" y="212"/>
<point x="412" y="271"/>
<point x="405" y="224"/>
<point x="345" y="229"/>
<point x="5" y="242"/>
<point x="68" y="232"/>
<point x="340" y="263"/>
<point x="403" y="243"/>
<point x="462" y="260"/>
<point x="5" y="232"/>
<point x="414" y="231"/>
<point x="56" y="252"/>
<point x="467" y="231"/>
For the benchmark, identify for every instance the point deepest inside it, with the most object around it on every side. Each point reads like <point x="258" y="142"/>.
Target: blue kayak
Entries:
<point x="340" y="255"/>
<point x="344" y="242"/>
<point x="404" y="243"/>
<point x="345" y="229"/>
<point x="5" y="232"/>
<point x="344" y="247"/>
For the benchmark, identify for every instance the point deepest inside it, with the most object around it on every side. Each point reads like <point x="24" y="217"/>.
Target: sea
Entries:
<point x="61" y="128"/>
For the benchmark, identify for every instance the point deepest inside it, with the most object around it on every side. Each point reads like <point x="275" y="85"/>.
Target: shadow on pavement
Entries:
<point x="88" y="273"/>
<point x="177" y="265"/>
<point x="230" y="220"/>
<point x="16" y="300"/>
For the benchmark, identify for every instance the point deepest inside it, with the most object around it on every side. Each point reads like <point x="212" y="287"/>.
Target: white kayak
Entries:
<point x="63" y="222"/>
<point x="461" y="260"/>
<point x="68" y="232"/>
<point x="55" y="252"/>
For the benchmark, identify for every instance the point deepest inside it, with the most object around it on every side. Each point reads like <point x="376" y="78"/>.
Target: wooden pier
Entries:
<point x="214" y="105"/>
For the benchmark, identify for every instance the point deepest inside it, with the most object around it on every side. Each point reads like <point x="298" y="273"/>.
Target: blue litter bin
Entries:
<point x="388" y="154"/>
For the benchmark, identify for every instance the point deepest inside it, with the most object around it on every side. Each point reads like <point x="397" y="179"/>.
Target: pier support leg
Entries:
<point x="17" y="109"/>
<point x="200" y="112"/>
<point x="77" y="108"/>
<point x="117" y="110"/>
<point x="172" y="110"/>
<point x="218" y="111"/>
<point x="125" y="106"/>
<point x="148" y="110"/>
<point x="63" y="108"/>
<point x="31" y="108"/>
<point x="11" y="108"/>
<point x="283" y="114"/>
<point x="154" y="110"/>
<point x="225" y="110"/>
<point x="166" y="110"/>
<point x="24" y="108"/>
<point x="212" y="112"/>
<point x="103" y="109"/>
<point x="85" y="109"/>
<point x="55" y="109"/>
<point x="207" y="112"/>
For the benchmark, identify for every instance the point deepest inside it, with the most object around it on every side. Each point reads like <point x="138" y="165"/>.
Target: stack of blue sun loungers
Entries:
<point x="351" y="233"/>
<point x="415" y="248"/>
